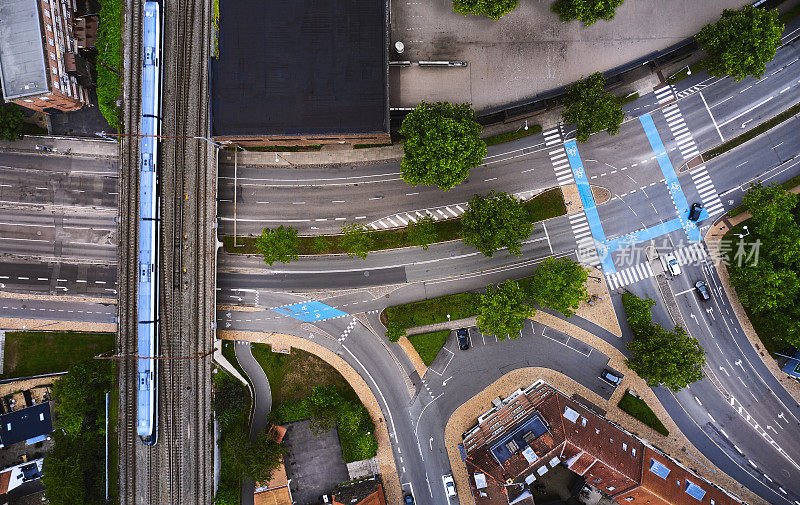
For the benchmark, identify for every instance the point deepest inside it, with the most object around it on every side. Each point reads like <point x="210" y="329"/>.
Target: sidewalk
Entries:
<point x="63" y="146"/>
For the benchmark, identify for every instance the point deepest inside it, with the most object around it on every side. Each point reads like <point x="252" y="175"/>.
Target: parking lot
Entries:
<point x="536" y="345"/>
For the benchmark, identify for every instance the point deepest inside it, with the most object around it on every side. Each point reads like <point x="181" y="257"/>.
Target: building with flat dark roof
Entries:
<point x="301" y="72"/>
<point x="31" y="424"/>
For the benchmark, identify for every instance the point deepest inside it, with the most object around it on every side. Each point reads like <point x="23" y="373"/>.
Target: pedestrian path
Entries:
<point x="707" y="191"/>
<point x="587" y="252"/>
<point x="680" y="132"/>
<point x="665" y="94"/>
<point x="630" y="275"/>
<point x="558" y="156"/>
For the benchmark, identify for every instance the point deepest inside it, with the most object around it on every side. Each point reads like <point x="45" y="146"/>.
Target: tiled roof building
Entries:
<point x="528" y="433"/>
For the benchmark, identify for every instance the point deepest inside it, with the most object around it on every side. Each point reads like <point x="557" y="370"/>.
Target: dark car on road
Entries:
<point x="408" y="500"/>
<point x="463" y="339"/>
<point x="694" y="213"/>
<point x="702" y="290"/>
<point x="611" y="377"/>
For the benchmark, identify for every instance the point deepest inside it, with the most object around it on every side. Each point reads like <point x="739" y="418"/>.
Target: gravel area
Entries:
<point x="8" y="323"/>
<point x="572" y="198"/>
<point x="602" y="312"/>
<point x="412" y="354"/>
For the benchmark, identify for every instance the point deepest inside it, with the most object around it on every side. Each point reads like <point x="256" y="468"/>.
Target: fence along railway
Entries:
<point x="178" y="468"/>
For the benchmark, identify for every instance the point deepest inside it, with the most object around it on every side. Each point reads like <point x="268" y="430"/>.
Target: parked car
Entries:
<point x="463" y="339"/>
<point x="671" y="264"/>
<point x="702" y="290"/>
<point x="694" y="212"/>
<point x="449" y="486"/>
<point x="408" y="500"/>
<point x="611" y="377"/>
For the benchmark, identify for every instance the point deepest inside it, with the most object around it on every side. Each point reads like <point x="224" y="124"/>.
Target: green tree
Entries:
<point x="494" y="221"/>
<point x="394" y="331"/>
<point x="774" y="222"/>
<point x="587" y="11"/>
<point x="503" y="310"/>
<point x="62" y="472"/>
<point x="356" y="240"/>
<point x="423" y="232"/>
<point x="230" y="398"/>
<point x="660" y="356"/>
<point x="637" y="312"/>
<point x="558" y="284"/>
<point x="495" y="9"/>
<point x="279" y="244"/>
<point x="320" y="243"/>
<point x="80" y="397"/>
<point x="324" y="403"/>
<point x="255" y="460"/>
<point x="764" y="288"/>
<point x="742" y="42"/>
<point x="592" y="108"/>
<point x="442" y="143"/>
<point x="10" y="122"/>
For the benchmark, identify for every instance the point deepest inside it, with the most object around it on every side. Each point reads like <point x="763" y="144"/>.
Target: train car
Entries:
<point x="149" y="220"/>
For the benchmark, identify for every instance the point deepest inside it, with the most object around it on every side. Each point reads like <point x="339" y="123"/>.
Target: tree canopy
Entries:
<point x="279" y="244"/>
<point x="74" y="468"/>
<point x="587" y="11"/>
<point x="495" y="9"/>
<point x="742" y="42"/>
<point x="494" y="221"/>
<point x="10" y="122"/>
<point x="592" y="108"/>
<point x="442" y="143"/>
<point x="356" y="240"/>
<point x="765" y="265"/>
<point x="423" y="232"/>
<point x="661" y="356"/>
<point x="255" y="460"/>
<point x="558" y="284"/>
<point x="503" y="310"/>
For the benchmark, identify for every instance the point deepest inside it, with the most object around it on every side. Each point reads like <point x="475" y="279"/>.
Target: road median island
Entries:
<point x="639" y="409"/>
<point x="546" y="205"/>
<point x="385" y="456"/>
<point x="751" y="134"/>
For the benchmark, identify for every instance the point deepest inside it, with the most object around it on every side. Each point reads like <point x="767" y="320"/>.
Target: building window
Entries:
<point x="624" y="446"/>
<point x="611" y="488"/>
<point x="633" y="451"/>
<point x="630" y="498"/>
<point x="694" y="490"/>
<point x="49" y="28"/>
<point x="53" y="55"/>
<point x="44" y="98"/>
<point x="659" y="469"/>
<point x="29" y="101"/>
<point x="50" y="41"/>
<point x="47" y="12"/>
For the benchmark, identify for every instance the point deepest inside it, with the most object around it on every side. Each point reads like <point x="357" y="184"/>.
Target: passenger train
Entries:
<point x="149" y="227"/>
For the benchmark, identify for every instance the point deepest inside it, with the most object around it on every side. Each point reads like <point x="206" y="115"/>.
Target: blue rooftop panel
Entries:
<point x="694" y="490"/>
<point x="533" y="424"/>
<point x="659" y="469"/>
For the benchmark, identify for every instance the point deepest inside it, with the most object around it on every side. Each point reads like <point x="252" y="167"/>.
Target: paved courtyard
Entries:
<point x="528" y="51"/>
<point x="314" y="463"/>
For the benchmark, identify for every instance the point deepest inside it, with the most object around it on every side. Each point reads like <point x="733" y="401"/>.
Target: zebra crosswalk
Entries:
<point x="587" y="252"/>
<point x="708" y="194"/>
<point x="558" y="157"/>
<point x="630" y="275"/>
<point x="689" y="255"/>
<point x="680" y="132"/>
<point x="665" y="94"/>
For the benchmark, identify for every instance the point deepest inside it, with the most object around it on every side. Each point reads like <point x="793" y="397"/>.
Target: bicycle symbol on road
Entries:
<point x="572" y="151"/>
<point x="579" y="172"/>
<point x="674" y="187"/>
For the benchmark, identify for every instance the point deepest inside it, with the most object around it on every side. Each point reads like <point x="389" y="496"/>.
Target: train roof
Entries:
<point x="22" y="58"/>
<point x="301" y="67"/>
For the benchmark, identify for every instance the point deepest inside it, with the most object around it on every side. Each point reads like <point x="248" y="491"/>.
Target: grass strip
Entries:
<point x="509" y="136"/>
<point x="38" y="352"/>
<point x="543" y="206"/>
<point x="752" y="133"/>
<point x="109" y="60"/>
<point x="434" y="310"/>
<point x="639" y="409"/>
<point x="622" y="100"/>
<point x="429" y="344"/>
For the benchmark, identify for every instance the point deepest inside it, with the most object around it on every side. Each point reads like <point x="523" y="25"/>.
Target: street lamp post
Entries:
<point x="746" y="232"/>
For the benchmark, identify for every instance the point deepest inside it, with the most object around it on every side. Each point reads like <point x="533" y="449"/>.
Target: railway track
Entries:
<point x="179" y="468"/>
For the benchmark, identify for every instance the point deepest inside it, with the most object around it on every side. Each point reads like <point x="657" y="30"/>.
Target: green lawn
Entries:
<point x="544" y="206"/>
<point x="501" y="138"/>
<point x="429" y="344"/>
<point x="38" y="352"/>
<point x="435" y="310"/>
<point x="292" y="377"/>
<point x="637" y="408"/>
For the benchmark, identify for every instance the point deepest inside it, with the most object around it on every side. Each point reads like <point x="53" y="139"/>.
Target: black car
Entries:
<point x="408" y="500"/>
<point x="463" y="339"/>
<point x="702" y="290"/>
<point x="694" y="213"/>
